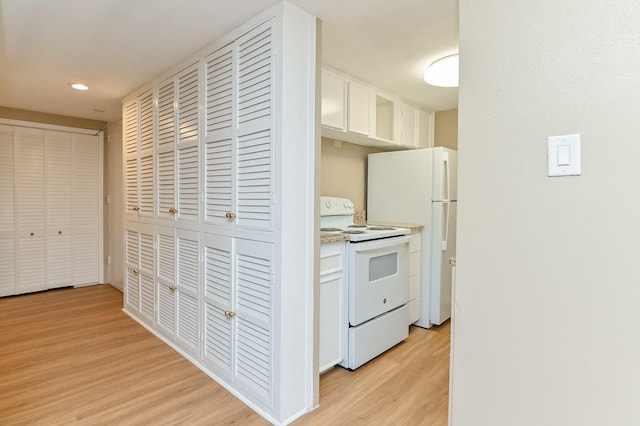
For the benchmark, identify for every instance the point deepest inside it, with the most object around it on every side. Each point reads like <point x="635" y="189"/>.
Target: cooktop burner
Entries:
<point x="357" y="226"/>
<point x="330" y="229"/>
<point x="351" y="231"/>
<point x="381" y="228"/>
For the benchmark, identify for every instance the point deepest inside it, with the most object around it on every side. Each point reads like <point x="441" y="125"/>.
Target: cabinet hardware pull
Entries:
<point x="173" y="211"/>
<point x="135" y="271"/>
<point x="135" y="209"/>
<point x="230" y="215"/>
<point x="32" y="234"/>
<point x="172" y="288"/>
<point x="229" y="314"/>
<point x="59" y="232"/>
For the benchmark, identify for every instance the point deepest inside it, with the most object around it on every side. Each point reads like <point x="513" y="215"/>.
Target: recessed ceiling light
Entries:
<point x="79" y="86"/>
<point x="443" y="72"/>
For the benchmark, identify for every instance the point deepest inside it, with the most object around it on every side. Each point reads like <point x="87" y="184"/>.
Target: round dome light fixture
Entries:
<point x="79" y="86"/>
<point x="443" y="72"/>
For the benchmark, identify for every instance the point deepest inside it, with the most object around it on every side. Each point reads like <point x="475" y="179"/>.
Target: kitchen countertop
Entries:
<point x="328" y="237"/>
<point x="412" y="226"/>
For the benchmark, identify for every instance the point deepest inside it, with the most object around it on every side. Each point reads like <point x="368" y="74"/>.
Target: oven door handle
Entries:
<point x="383" y="243"/>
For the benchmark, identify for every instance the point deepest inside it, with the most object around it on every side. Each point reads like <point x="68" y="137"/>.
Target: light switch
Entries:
<point x="563" y="155"/>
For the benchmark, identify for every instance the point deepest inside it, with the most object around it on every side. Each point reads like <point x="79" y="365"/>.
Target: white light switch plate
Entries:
<point x="563" y="155"/>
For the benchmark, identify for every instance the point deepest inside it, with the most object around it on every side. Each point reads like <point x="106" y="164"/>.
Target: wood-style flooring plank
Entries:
<point x="72" y="357"/>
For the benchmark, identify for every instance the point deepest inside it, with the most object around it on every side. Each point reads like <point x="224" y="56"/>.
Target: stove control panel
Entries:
<point x="336" y="206"/>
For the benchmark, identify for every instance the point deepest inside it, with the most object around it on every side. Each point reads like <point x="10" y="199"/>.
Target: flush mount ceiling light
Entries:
<point x="443" y="72"/>
<point x="79" y="86"/>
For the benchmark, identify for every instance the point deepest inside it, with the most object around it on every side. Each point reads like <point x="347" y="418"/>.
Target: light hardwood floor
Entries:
<point x="70" y="356"/>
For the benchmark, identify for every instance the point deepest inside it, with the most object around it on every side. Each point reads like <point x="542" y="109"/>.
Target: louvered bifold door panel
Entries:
<point x="132" y="271"/>
<point x="218" y="304"/>
<point x="165" y="150"/>
<point x="187" y="148"/>
<point x="7" y="213"/>
<point x="219" y="155"/>
<point x="146" y="169"/>
<point x="31" y="209"/>
<point x="188" y="283"/>
<point x="147" y="268"/>
<point x="87" y="204"/>
<point x="254" y="320"/>
<point x="59" y="155"/>
<point x="166" y="280"/>
<point x="254" y="146"/>
<point x="130" y="134"/>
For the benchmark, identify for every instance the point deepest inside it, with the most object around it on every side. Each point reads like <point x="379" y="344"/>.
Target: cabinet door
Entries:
<point x="31" y="209"/>
<point x="333" y="100"/>
<point x="188" y="176"/>
<point x="219" y="153"/>
<point x="130" y="153"/>
<point x="59" y="200"/>
<point x="132" y="270"/>
<point x="218" y="304"/>
<point x="166" y="281"/>
<point x="358" y="108"/>
<point x="7" y="213"/>
<point x="146" y="163"/>
<point x="407" y="125"/>
<point x="253" y="369"/>
<point x="332" y="290"/>
<point x="165" y="151"/>
<point x="188" y="290"/>
<point x="140" y="254"/>
<point x="425" y="129"/>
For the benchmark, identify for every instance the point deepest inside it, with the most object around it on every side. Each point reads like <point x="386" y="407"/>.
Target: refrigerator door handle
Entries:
<point x="446" y="193"/>
<point x="445" y="228"/>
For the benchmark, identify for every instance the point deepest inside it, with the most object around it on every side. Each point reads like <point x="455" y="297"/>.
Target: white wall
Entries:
<point x="547" y="315"/>
<point x="113" y="211"/>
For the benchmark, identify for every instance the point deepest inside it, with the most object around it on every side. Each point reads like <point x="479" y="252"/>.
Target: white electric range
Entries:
<point x="377" y="282"/>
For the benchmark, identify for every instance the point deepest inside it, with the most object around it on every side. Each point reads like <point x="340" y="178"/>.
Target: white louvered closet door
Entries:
<point x="253" y="370"/>
<point x="219" y="321"/>
<point x="219" y="143"/>
<point x="166" y="281"/>
<point x="87" y="206"/>
<point x="165" y="151"/>
<point x="187" y="172"/>
<point x="59" y="201"/>
<point x="131" y="178"/>
<point x="254" y="143"/>
<point x="146" y="163"/>
<point x="7" y="213"/>
<point x="188" y="290"/>
<point x="31" y="209"/>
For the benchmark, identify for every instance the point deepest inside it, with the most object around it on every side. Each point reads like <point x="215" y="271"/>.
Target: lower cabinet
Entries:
<point x="332" y="304"/>
<point x="209" y="295"/>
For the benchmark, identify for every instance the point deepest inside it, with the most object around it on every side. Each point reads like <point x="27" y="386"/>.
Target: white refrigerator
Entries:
<point x="420" y="187"/>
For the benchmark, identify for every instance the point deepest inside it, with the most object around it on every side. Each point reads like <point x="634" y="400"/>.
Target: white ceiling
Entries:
<point x="115" y="46"/>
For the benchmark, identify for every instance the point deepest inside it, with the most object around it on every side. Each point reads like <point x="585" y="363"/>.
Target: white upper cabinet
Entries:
<point x="333" y="100"/>
<point x="359" y="113"/>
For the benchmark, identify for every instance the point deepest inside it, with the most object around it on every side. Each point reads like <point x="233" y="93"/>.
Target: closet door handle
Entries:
<point x="135" y="209"/>
<point x="59" y="232"/>
<point x="230" y="215"/>
<point x="135" y="271"/>
<point x="229" y="314"/>
<point x="173" y="288"/>
<point x="32" y="234"/>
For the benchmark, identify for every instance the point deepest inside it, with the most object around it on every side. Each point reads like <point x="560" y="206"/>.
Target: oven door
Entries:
<point x="378" y="277"/>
